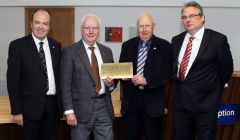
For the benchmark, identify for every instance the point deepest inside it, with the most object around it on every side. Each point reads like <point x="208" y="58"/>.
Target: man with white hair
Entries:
<point x="86" y="96"/>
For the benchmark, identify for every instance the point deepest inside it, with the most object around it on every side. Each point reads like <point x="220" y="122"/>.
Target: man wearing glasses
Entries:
<point x="143" y="94"/>
<point x="202" y="65"/>
<point x="86" y="96"/>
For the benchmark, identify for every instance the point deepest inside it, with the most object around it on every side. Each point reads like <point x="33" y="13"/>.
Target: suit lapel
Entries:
<point x="203" y="45"/>
<point x="53" y="53"/>
<point x="103" y="53"/>
<point x="33" y="50"/>
<point x="82" y="54"/>
<point x="177" y="47"/>
<point x="134" y="50"/>
<point x="179" y="43"/>
<point x="151" y="51"/>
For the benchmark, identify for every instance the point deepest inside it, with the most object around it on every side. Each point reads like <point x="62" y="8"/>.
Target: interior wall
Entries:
<point x="168" y="24"/>
<point x="12" y="27"/>
<point x="211" y="3"/>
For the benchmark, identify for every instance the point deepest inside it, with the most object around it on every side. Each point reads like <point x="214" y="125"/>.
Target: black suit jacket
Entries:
<point x="25" y="76"/>
<point x="200" y="91"/>
<point x="157" y="71"/>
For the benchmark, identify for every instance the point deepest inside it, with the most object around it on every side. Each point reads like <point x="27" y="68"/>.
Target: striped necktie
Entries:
<point x="43" y="61"/>
<point x="142" y="56"/>
<point x="185" y="60"/>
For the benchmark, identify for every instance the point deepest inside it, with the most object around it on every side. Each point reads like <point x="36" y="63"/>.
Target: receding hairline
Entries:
<point x="41" y="9"/>
<point x="90" y="15"/>
<point x="146" y="15"/>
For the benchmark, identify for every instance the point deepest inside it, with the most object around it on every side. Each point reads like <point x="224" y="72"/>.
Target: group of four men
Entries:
<point x="199" y="60"/>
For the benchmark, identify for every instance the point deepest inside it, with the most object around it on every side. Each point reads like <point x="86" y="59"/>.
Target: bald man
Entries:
<point x="33" y="82"/>
<point x="143" y="94"/>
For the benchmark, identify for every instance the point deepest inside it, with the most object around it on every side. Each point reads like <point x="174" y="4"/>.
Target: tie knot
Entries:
<point x="191" y="38"/>
<point x="41" y="43"/>
<point x="91" y="48"/>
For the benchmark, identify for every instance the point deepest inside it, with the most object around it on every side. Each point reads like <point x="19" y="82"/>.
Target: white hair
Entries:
<point x="90" y="15"/>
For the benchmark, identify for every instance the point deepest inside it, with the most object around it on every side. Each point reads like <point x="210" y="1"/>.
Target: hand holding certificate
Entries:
<point x="117" y="70"/>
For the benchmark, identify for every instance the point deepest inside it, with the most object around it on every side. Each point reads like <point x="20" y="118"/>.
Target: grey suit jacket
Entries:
<point x="77" y="82"/>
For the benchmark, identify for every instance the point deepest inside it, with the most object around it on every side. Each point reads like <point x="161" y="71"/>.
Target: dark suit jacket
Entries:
<point x="77" y="82"/>
<point x="200" y="91"/>
<point x="25" y="76"/>
<point x="157" y="71"/>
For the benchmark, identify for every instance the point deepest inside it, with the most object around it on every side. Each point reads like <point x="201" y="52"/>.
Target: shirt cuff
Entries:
<point x="111" y="87"/>
<point x="68" y="111"/>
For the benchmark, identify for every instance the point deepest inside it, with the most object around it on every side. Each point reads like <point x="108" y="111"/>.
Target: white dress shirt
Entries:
<point x="51" y="78"/>
<point x="195" y="48"/>
<point x="100" y="62"/>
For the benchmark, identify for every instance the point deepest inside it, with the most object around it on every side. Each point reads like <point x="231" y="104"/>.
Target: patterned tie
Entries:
<point x="43" y="61"/>
<point x="185" y="60"/>
<point x="95" y="69"/>
<point x="142" y="56"/>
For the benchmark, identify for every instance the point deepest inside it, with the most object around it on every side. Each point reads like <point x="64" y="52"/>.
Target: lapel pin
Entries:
<point x="154" y="48"/>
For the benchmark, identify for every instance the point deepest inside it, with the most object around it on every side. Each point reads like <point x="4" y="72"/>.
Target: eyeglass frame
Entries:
<point x="191" y="16"/>
<point x="145" y="26"/>
<point x="90" y="28"/>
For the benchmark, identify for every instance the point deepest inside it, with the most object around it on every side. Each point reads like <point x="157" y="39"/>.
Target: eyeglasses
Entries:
<point x="190" y="16"/>
<point x="90" y="28"/>
<point x="144" y="26"/>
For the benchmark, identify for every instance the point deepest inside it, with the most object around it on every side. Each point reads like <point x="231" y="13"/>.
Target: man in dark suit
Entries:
<point x="203" y="64"/>
<point x="86" y="97"/>
<point x="33" y="84"/>
<point x="143" y="94"/>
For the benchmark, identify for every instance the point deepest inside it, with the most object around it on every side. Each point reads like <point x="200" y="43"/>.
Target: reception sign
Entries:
<point x="228" y="113"/>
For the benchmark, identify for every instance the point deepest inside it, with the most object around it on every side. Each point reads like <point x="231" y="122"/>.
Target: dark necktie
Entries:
<point x="185" y="60"/>
<point x="43" y="61"/>
<point x="142" y="56"/>
<point x="95" y="69"/>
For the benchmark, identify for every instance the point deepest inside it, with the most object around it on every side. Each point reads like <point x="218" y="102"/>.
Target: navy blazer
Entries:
<point x="157" y="71"/>
<point x="25" y="76"/>
<point x="200" y="91"/>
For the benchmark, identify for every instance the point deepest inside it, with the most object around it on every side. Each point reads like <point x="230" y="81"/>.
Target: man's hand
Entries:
<point x="108" y="81"/>
<point x="18" y="119"/>
<point x="139" y="80"/>
<point x="71" y="119"/>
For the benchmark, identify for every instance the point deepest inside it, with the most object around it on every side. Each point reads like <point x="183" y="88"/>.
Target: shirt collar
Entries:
<point x="199" y="34"/>
<point x="87" y="46"/>
<point x="36" y="40"/>
<point x="148" y="43"/>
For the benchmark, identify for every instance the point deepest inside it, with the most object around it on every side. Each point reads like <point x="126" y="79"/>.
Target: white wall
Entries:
<point x="12" y="27"/>
<point x="168" y="23"/>
<point x="126" y="17"/>
<point x="225" y="20"/>
<point x="211" y="3"/>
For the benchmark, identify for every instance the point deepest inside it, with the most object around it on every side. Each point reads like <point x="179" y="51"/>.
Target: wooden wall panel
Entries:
<point x="62" y="23"/>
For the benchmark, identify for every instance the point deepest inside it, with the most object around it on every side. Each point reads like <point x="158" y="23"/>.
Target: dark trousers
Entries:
<point x="137" y="122"/>
<point x="47" y="127"/>
<point x="190" y="125"/>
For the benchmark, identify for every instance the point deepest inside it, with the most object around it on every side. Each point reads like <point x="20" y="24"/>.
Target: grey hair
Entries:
<point x="90" y="15"/>
<point x="193" y="4"/>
